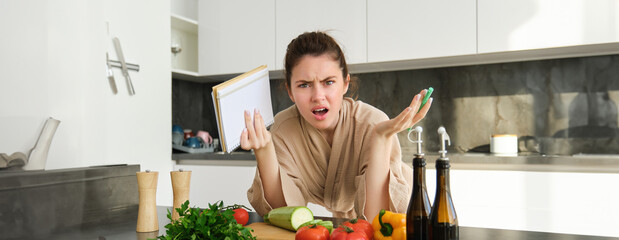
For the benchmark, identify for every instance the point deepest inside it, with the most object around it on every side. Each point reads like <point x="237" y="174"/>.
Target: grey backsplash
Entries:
<point x="557" y="107"/>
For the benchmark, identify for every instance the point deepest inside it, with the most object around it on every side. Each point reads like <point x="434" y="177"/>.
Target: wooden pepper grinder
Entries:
<point x="147" y="211"/>
<point x="180" y="187"/>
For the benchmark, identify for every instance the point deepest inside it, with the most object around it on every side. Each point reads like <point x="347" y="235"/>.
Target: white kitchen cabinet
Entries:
<point x="559" y="202"/>
<point x="344" y="20"/>
<point x="404" y="29"/>
<point x="235" y="36"/>
<point x="184" y="44"/>
<point x="211" y="183"/>
<point x="522" y="200"/>
<point x="390" y="35"/>
<point x="186" y="8"/>
<point x="521" y="25"/>
<point x="184" y="38"/>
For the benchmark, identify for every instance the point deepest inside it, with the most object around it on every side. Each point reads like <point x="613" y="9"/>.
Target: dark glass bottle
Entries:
<point x="443" y="218"/>
<point x="418" y="213"/>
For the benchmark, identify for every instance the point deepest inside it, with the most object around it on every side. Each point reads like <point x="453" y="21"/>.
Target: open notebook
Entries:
<point x="231" y="98"/>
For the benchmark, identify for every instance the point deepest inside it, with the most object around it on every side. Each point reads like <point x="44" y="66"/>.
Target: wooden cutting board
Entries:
<point x="265" y="231"/>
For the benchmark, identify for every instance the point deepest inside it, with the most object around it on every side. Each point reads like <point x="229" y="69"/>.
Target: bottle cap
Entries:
<point x="417" y="130"/>
<point x="444" y="137"/>
<point x="442" y="163"/>
<point x="419" y="162"/>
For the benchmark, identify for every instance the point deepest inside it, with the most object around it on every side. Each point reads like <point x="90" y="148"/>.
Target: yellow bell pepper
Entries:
<point x="389" y="226"/>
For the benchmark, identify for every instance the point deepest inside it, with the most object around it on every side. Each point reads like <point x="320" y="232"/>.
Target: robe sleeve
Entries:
<point x="400" y="175"/>
<point x="289" y="175"/>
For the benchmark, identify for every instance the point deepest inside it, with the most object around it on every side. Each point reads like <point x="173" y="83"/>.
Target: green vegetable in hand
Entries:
<point x="215" y="222"/>
<point x="289" y="218"/>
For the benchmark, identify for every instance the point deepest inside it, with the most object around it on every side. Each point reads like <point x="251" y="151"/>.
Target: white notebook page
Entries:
<point x="249" y="93"/>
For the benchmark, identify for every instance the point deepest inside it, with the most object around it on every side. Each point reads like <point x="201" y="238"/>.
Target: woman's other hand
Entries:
<point x="255" y="135"/>
<point x="406" y="119"/>
<point x="377" y="175"/>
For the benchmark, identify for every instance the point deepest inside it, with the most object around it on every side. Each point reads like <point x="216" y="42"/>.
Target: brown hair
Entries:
<point x="316" y="44"/>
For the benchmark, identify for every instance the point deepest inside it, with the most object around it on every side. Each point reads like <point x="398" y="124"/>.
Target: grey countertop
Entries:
<point x="537" y="163"/>
<point x="469" y="161"/>
<point x="126" y="231"/>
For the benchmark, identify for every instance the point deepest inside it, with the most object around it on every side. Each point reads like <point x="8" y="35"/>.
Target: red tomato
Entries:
<point x="241" y="216"/>
<point x="312" y="232"/>
<point x="347" y="233"/>
<point x="360" y="225"/>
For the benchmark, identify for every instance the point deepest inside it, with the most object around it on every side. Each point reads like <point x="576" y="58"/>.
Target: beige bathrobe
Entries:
<point x="331" y="176"/>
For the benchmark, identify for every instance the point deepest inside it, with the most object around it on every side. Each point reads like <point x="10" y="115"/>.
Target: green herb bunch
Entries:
<point x="216" y="222"/>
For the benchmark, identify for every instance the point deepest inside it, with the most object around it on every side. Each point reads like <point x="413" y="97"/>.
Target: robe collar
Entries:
<point x="327" y="156"/>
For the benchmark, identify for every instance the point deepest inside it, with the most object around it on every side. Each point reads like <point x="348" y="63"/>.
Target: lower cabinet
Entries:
<point x="560" y="202"/>
<point x="210" y="184"/>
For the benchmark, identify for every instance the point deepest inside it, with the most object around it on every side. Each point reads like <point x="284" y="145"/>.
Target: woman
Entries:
<point x="328" y="149"/>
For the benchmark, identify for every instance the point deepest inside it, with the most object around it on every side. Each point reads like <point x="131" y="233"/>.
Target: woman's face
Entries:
<point x="317" y="88"/>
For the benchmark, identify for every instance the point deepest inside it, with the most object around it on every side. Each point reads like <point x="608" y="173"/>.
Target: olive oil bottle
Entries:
<point x="443" y="218"/>
<point x="418" y="213"/>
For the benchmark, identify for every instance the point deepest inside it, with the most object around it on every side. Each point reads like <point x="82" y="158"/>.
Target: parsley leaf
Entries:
<point x="215" y="222"/>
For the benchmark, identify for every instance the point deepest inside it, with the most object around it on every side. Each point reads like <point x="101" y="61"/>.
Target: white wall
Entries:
<point x="53" y="64"/>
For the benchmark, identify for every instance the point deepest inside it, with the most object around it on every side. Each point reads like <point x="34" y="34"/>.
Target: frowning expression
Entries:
<point x="317" y="87"/>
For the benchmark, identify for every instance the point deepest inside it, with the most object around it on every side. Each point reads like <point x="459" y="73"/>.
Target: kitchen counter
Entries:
<point x="587" y="163"/>
<point x="531" y="162"/>
<point x="126" y="231"/>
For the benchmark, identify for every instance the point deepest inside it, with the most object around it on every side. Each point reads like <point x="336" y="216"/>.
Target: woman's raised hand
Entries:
<point x="255" y="135"/>
<point x="407" y="118"/>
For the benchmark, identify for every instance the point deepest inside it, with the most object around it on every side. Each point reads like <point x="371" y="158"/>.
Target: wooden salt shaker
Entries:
<point x="147" y="211"/>
<point x="180" y="187"/>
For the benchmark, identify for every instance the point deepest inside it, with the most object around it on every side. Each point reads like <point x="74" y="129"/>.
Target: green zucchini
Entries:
<point x="289" y="218"/>
<point x="326" y="224"/>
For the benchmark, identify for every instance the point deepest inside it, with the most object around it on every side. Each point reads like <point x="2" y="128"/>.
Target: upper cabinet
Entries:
<point x="184" y="36"/>
<point x="344" y="20"/>
<point x="236" y="36"/>
<point x="511" y="25"/>
<point x="405" y="29"/>
<point x="184" y="44"/>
